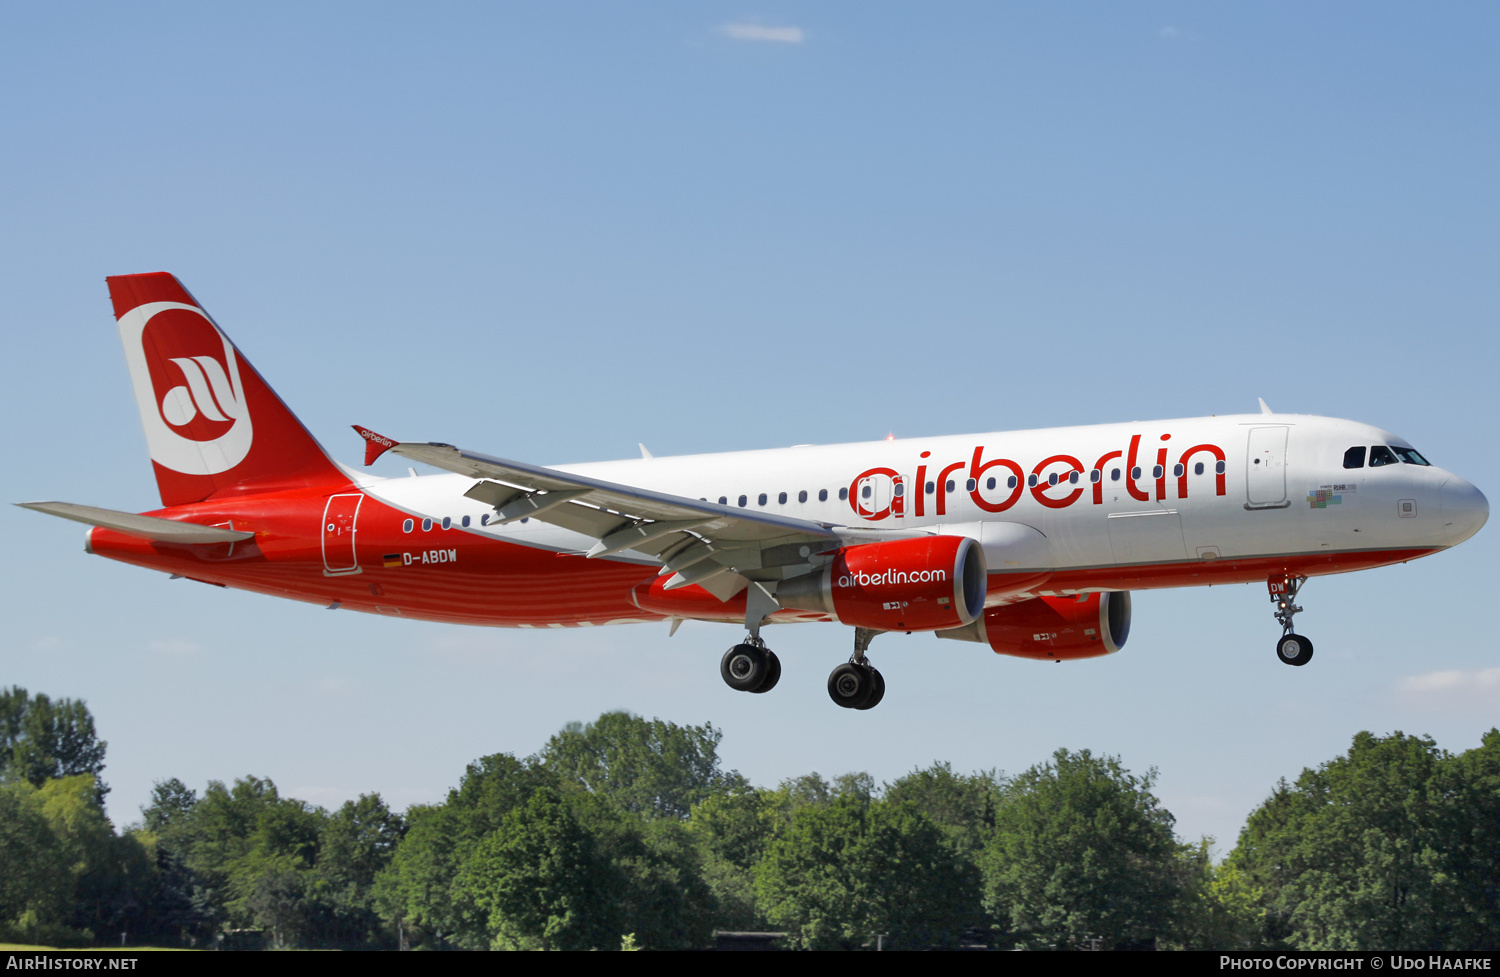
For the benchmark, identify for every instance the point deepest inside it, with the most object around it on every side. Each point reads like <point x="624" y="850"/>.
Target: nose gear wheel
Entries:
<point x="1291" y="648"/>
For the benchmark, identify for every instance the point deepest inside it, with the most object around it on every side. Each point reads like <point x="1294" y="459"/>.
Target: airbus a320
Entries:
<point x="1028" y="542"/>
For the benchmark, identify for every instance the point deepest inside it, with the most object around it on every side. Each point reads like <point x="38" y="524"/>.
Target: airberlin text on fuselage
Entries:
<point x="1011" y="481"/>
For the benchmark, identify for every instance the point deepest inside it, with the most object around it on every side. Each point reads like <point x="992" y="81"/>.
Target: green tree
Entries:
<point x="543" y="880"/>
<point x="1081" y="851"/>
<point x="250" y="852"/>
<point x="171" y="801"/>
<point x="417" y="888"/>
<point x="1470" y="782"/>
<point x="41" y="739"/>
<point x="356" y="843"/>
<point x="650" y="768"/>
<point x="848" y="872"/>
<point x="732" y="829"/>
<point x="1390" y="847"/>
<point x="962" y="806"/>
<point x="36" y="881"/>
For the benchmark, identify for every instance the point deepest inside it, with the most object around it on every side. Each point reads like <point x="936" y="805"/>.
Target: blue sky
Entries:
<point x="549" y="232"/>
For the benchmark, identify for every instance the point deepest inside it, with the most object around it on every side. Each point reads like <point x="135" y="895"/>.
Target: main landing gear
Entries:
<point x="1292" y="649"/>
<point x="750" y="667"/>
<point x="857" y="684"/>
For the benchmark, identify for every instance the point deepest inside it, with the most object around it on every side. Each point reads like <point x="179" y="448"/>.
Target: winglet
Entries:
<point x="375" y="444"/>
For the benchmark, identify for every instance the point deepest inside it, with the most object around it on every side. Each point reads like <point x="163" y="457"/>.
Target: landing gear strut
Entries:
<point x="856" y="684"/>
<point x="1292" y="648"/>
<point x="750" y="667"/>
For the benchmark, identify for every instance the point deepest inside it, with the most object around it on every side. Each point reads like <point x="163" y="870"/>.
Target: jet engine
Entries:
<point x="922" y="584"/>
<point x="1053" y="628"/>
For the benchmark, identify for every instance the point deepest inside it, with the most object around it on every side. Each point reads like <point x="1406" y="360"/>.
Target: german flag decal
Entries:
<point x="392" y="560"/>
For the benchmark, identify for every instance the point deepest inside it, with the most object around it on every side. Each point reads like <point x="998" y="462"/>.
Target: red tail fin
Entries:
<point x="212" y="424"/>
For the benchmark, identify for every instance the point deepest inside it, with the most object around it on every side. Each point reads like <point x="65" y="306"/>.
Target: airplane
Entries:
<point x="1029" y="542"/>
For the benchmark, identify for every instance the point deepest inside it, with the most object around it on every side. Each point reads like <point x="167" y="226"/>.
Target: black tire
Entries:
<point x="849" y="685"/>
<point x="1294" y="649"/>
<point x="773" y="673"/>
<point x="744" y="668"/>
<point x="877" y="690"/>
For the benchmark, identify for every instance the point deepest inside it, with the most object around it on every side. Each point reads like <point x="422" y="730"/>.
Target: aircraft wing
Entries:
<point x="717" y="547"/>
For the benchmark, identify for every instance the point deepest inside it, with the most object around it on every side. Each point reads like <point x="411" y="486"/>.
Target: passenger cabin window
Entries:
<point x="948" y="485"/>
<point x="761" y="499"/>
<point x="900" y="489"/>
<point x="1355" y="457"/>
<point x="1381" y="455"/>
<point x="802" y="496"/>
<point x="406" y="526"/>
<point x="1409" y="455"/>
<point x="1198" y="468"/>
<point x="971" y="485"/>
<point x="1095" y="475"/>
<point x="822" y="495"/>
<point x="931" y="487"/>
<point x="723" y="500"/>
<point x="743" y="500"/>
<point x="843" y="495"/>
<point x="466" y="522"/>
<point x="781" y="498"/>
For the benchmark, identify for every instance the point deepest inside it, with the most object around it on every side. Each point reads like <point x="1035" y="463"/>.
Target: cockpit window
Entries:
<point x="1381" y="455"/>
<point x="1355" y="457"/>
<point x="1409" y="455"/>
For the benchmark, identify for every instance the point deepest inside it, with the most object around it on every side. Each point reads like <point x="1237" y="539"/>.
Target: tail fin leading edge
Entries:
<point x="212" y="424"/>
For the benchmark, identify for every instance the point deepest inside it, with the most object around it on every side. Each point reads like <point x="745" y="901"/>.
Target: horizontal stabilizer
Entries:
<point x="146" y="527"/>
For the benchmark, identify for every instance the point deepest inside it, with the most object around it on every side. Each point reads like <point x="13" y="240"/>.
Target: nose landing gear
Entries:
<point x="1292" y="649"/>
<point x="857" y="684"/>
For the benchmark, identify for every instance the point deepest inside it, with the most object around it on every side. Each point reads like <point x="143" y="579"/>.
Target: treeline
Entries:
<point x="628" y="832"/>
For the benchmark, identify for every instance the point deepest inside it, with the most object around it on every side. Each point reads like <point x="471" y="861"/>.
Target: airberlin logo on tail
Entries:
<point x="187" y="385"/>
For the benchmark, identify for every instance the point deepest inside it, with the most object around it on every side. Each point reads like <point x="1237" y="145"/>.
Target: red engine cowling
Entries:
<point x="1059" y="628"/>
<point x="923" y="584"/>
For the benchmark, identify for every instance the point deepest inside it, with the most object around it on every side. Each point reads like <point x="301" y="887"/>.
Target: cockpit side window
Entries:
<point x="1355" y="457"/>
<point x="1381" y="455"/>
<point x="1410" y="456"/>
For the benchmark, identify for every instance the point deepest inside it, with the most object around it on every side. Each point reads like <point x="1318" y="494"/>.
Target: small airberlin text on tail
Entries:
<point x="212" y="424"/>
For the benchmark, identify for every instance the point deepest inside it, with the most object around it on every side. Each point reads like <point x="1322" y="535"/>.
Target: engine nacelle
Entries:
<point x="1054" y="628"/>
<point x="922" y="584"/>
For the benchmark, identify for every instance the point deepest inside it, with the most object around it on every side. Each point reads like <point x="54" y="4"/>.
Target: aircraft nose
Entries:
<point x="1465" y="509"/>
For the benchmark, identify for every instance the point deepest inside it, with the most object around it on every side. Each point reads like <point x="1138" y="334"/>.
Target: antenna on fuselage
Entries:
<point x="1265" y="408"/>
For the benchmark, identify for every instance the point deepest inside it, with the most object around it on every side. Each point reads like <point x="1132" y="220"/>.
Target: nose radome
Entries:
<point x="1465" y="510"/>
